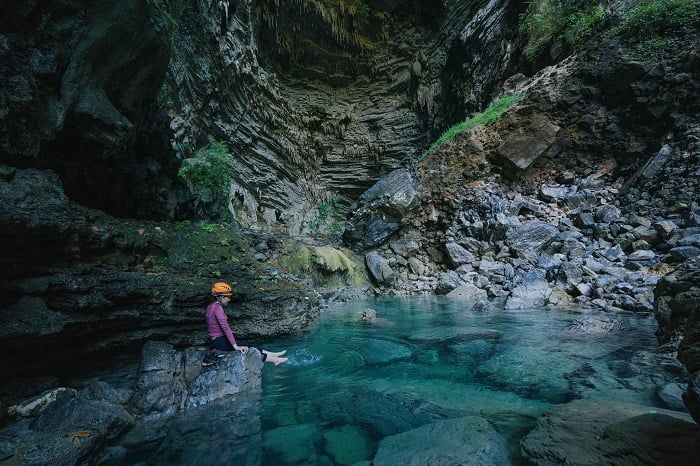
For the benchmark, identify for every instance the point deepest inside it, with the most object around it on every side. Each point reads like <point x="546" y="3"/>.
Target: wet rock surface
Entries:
<point x="677" y="309"/>
<point x="174" y="395"/>
<point x="74" y="274"/>
<point x="603" y="432"/>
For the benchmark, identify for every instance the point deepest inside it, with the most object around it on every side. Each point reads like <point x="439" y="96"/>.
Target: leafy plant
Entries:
<point x="654" y="18"/>
<point x="325" y="213"/>
<point x="208" y="172"/>
<point x="488" y="116"/>
<point x="573" y="21"/>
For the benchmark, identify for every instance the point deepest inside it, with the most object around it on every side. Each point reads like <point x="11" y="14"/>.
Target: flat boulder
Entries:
<point x="598" y="432"/>
<point x="456" y="255"/>
<point x="521" y="147"/>
<point x="468" y="292"/>
<point x="466" y="441"/>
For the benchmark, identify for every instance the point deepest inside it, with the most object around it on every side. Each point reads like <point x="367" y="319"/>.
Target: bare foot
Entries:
<point x="270" y="353"/>
<point x="279" y="361"/>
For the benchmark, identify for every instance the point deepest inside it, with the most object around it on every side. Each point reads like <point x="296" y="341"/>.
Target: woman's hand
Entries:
<point x="242" y="349"/>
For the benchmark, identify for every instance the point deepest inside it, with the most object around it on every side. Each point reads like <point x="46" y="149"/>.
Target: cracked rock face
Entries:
<point x="316" y="102"/>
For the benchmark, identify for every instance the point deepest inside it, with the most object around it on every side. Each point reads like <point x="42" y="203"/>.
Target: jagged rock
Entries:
<point x="677" y="309"/>
<point x="520" y="148"/>
<point x="379" y="268"/>
<point x="416" y="266"/>
<point x="611" y="433"/>
<point x="382" y="209"/>
<point x="34" y="406"/>
<point x="682" y="253"/>
<point x="448" y="282"/>
<point x="467" y="292"/>
<point x="405" y="248"/>
<point x="532" y="292"/>
<point x="607" y="213"/>
<point x="665" y="228"/>
<point x="553" y="193"/>
<point x="457" y="255"/>
<point x="72" y="430"/>
<point x="467" y="440"/>
<point x="530" y="238"/>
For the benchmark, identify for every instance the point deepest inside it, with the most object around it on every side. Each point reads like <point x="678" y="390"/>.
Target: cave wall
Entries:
<point x="317" y="99"/>
<point x="79" y="96"/>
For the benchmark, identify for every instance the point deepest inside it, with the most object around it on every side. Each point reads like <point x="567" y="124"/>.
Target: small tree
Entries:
<point x="208" y="172"/>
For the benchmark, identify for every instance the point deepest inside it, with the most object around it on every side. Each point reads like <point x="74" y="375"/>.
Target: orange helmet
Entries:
<point x="221" y="288"/>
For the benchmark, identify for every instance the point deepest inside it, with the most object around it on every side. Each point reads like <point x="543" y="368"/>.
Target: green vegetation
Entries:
<point x="654" y="18"/>
<point x="327" y="218"/>
<point x="207" y="172"/>
<point x="488" y="116"/>
<point x="656" y="26"/>
<point x="211" y="247"/>
<point x="572" y="21"/>
<point x="161" y="18"/>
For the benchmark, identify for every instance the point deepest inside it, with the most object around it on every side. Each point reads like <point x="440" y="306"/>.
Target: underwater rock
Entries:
<point x="347" y="445"/>
<point x="467" y="440"/>
<point x="292" y="444"/>
<point x="612" y="433"/>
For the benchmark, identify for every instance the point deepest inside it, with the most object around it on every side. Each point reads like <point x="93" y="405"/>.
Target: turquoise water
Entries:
<point x="348" y="384"/>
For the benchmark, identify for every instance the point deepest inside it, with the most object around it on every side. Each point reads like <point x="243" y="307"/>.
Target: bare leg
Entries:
<point x="274" y="359"/>
<point x="270" y="353"/>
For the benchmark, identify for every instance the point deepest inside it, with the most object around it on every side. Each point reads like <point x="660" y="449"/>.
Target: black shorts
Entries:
<point x="222" y="344"/>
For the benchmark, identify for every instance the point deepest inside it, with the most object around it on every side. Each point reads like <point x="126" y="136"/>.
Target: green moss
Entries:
<point x="653" y="18"/>
<point x="488" y="116"/>
<point x="544" y="21"/>
<point x="204" y="245"/>
<point x="207" y="172"/>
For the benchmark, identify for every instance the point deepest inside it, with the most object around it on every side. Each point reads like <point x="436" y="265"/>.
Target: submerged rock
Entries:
<point x="468" y="440"/>
<point x="612" y="433"/>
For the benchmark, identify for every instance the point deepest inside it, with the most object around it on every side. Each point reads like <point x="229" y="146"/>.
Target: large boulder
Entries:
<point x="597" y="432"/>
<point x="379" y="269"/>
<point x="382" y="209"/>
<point x="467" y="441"/>
<point x="521" y="147"/>
<point x="456" y="255"/>
<point x="677" y="309"/>
<point x="530" y="238"/>
<point x="72" y="430"/>
<point x="532" y="292"/>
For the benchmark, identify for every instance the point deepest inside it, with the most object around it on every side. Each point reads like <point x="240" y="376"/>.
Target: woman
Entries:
<point x="220" y="333"/>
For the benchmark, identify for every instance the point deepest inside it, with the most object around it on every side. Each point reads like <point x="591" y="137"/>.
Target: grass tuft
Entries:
<point x="488" y="116"/>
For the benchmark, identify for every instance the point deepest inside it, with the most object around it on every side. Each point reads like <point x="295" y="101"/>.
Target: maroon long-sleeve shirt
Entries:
<point x="217" y="323"/>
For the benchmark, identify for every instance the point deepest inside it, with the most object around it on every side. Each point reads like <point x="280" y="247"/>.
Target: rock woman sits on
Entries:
<point x="220" y="332"/>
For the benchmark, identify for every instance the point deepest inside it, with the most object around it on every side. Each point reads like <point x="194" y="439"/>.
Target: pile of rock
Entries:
<point x="567" y="243"/>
